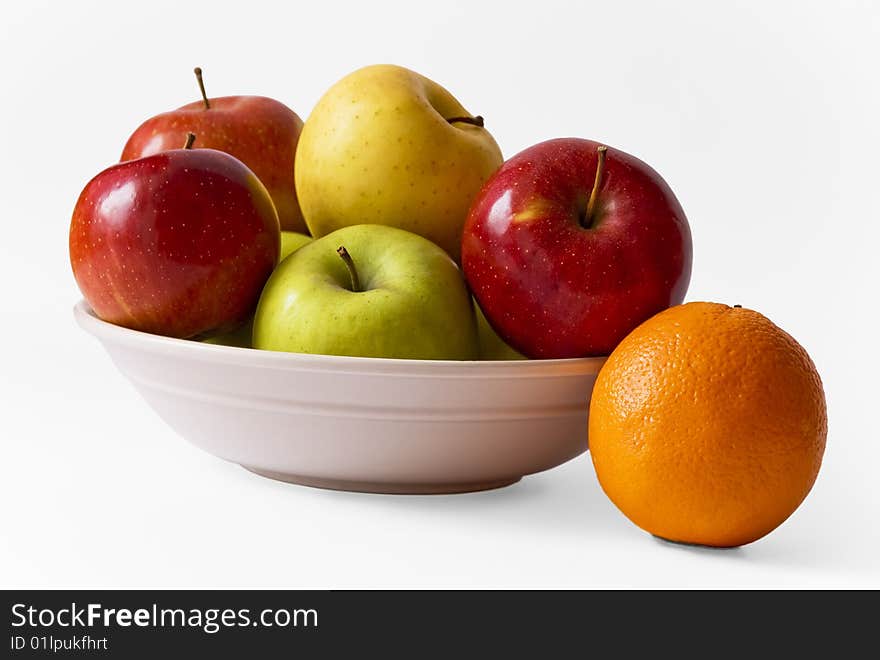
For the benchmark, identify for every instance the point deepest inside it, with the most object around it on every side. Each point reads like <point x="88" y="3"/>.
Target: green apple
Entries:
<point x="492" y="347"/>
<point x="371" y="291"/>
<point x="388" y="146"/>
<point x="291" y="241"/>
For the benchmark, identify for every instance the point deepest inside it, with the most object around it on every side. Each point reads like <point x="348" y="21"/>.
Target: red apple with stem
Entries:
<point x="570" y="245"/>
<point x="259" y="131"/>
<point x="179" y="243"/>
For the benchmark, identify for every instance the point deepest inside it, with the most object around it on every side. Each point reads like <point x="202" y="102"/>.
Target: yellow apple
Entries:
<point x="388" y="146"/>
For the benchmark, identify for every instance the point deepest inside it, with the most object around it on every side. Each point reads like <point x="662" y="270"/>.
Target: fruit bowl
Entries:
<point x="360" y="424"/>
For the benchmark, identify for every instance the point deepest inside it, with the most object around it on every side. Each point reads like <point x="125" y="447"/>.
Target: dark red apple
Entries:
<point x="570" y="246"/>
<point x="261" y="132"/>
<point x="177" y="244"/>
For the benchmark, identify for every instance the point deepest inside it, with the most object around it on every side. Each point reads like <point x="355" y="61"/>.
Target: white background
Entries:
<point x="762" y="116"/>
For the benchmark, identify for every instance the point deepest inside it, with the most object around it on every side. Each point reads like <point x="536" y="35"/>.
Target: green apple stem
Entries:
<point x="198" y="72"/>
<point x="473" y="121"/>
<point x="594" y="193"/>
<point x="352" y="271"/>
<point x="190" y="138"/>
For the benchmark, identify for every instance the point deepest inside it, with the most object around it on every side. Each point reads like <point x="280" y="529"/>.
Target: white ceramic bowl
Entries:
<point x="363" y="424"/>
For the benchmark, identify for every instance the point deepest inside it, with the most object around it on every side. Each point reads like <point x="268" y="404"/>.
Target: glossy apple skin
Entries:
<point x="261" y="132"/>
<point x="177" y="244"/>
<point x="553" y="289"/>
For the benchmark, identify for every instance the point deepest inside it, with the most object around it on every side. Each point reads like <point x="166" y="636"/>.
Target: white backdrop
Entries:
<point x="762" y="116"/>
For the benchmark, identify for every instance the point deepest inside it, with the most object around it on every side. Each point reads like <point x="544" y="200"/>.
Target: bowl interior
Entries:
<point x="108" y="332"/>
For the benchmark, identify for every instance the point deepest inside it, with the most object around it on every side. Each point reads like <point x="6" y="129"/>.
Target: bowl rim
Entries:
<point x="251" y="357"/>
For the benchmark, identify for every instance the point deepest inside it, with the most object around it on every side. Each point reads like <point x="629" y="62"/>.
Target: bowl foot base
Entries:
<point x="384" y="487"/>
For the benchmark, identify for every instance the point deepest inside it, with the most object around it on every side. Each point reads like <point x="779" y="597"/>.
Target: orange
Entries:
<point x="707" y="425"/>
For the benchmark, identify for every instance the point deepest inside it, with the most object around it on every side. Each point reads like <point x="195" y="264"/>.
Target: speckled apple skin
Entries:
<point x="177" y="244"/>
<point x="552" y="288"/>
<point x="261" y="132"/>
<point x="377" y="149"/>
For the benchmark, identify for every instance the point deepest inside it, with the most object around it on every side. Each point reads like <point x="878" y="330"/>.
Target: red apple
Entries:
<point x="261" y="132"/>
<point x="568" y="247"/>
<point x="177" y="244"/>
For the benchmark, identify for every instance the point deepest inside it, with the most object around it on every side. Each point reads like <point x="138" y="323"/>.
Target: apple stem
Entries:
<point x="738" y="306"/>
<point x="190" y="138"/>
<point x="594" y="193"/>
<point x="473" y="121"/>
<point x="352" y="271"/>
<point x="198" y="72"/>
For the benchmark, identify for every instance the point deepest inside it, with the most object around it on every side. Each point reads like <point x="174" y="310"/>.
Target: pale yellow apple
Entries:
<point x="378" y="148"/>
<point x="292" y="241"/>
<point x="492" y="347"/>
